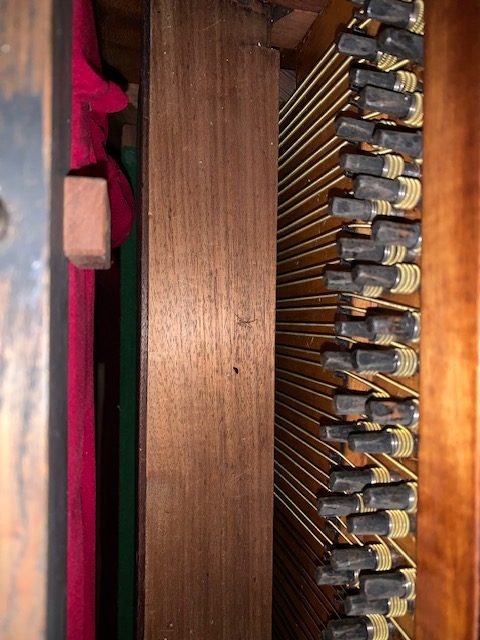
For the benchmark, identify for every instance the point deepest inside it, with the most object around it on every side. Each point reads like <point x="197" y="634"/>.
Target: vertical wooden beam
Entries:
<point x="449" y="457"/>
<point x="210" y="175"/>
<point x="34" y="93"/>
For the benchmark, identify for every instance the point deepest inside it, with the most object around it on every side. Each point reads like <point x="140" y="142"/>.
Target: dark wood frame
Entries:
<point x="34" y="137"/>
<point x="449" y="457"/>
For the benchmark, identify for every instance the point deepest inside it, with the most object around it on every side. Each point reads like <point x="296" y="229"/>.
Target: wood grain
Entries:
<point x="34" y="92"/>
<point x="448" y="538"/>
<point x="86" y="222"/>
<point x="211" y="183"/>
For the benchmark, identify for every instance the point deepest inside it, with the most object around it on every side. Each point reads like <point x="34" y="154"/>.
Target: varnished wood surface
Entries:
<point x="449" y="512"/>
<point x="34" y="93"/>
<point x="210" y="168"/>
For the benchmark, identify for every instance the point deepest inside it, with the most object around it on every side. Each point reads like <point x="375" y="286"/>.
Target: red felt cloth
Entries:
<point x="92" y="99"/>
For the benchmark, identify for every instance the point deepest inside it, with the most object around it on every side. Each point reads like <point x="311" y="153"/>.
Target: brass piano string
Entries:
<point x="314" y="278"/>
<point x="325" y="414"/>
<point x="350" y="539"/>
<point x="302" y="608"/>
<point x="314" y="129"/>
<point x="331" y="173"/>
<point x="312" y="166"/>
<point x="317" y="594"/>
<point x="308" y="215"/>
<point x="313" y="238"/>
<point x="309" y="252"/>
<point x="319" y="442"/>
<point x="316" y="101"/>
<point x="315" y="536"/>
<point x="287" y="183"/>
<point x="301" y="219"/>
<point x="338" y="177"/>
<point x="290" y="605"/>
<point x="311" y="78"/>
<point x="305" y="461"/>
<point x="296" y="127"/>
<point x="384" y="303"/>
<point x="309" y="379"/>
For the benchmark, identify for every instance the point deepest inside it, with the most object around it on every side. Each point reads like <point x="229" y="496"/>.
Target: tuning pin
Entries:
<point x="382" y="329"/>
<point x="364" y="249"/>
<point x="405" y="234"/>
<point x="358" y="248"/>
<point x="393" y="524"/>
<point x="361" y="628"/>
<point x="395" y="442"/>
<point x="408" y="143"/>
<point x="386" y="165"/>
<point x="353" y="329"/>
<point x="373" y="557"/>
<point x="354" y="129"/>
<point x="393" y="80"/>
<point x="402" y="327"/>
<point x="354" y="209"/>
<point x="404" y="15"/>
<point x="358" y="46"/>
<point x="359" y="605"/>
<point x="326" y="575"/>
<point x="350" y="404"/>
<point x="340" y="505"/>
<point x="337" y="432"/>
<point x="393" y="411"/>
<point x="402" y="363"/>
<point x="406" y="106"/>
<point x="402" y="191"/>
<point x="399" y="278"/>
<point x="401" y="44"/>
<point x="337" y="360"/>
<point x="353" y="479"/>
<point x="336" y="280"/>
<point x="392" y="496"/>
<point x="393" y="584"/>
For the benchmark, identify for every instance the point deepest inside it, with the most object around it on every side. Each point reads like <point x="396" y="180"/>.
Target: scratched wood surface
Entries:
<point x="34" y="92"/>
<point x="449" y="457"/>
<point x="210" y="179"/>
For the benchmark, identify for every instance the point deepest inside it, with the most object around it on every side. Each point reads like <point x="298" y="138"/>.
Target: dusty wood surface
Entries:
<point x="448" y="539"/>
<point x="34" y="92"/>
<point x="211" y="173"/>
<point x="86" y="222"/>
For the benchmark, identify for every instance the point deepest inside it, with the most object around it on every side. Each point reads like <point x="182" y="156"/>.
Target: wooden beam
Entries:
<point x="289" y="31"/>
<point x="318" y="6"/>
<point x="34" y="138"/>
<point x="207" y="429"/>
<point x="449" y="457"/>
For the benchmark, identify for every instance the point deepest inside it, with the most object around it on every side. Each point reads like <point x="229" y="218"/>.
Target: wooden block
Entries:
<point x="86" y="222"/>
<point x="289" y="31"/>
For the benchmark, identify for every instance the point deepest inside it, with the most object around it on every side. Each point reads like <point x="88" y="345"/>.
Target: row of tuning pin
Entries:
<point x="386" y="183"/>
